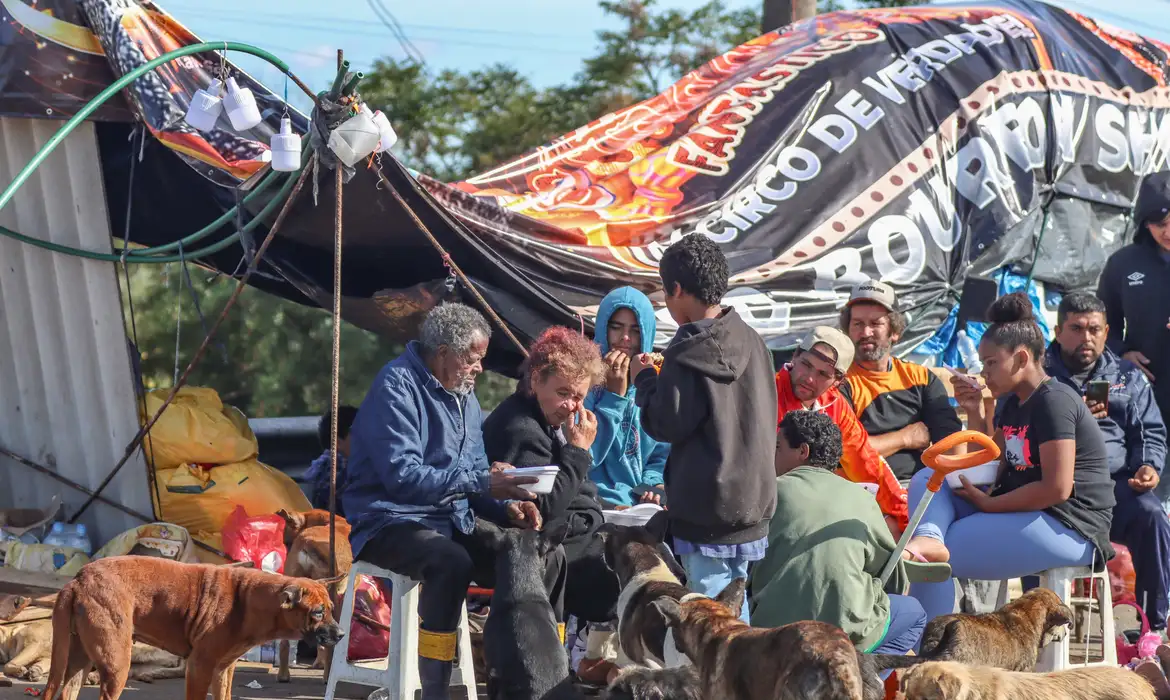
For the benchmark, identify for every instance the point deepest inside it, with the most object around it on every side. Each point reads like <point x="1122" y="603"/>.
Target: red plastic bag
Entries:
<point x="258" y="539"/>
<point x="1122" y="578"/>
<point x="371" y="599"/>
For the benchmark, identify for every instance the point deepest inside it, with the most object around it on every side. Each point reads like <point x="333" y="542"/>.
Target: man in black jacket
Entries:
<point x="714" y="401"/>
<point x="1135" y="287"/>
<point x="1135" y="442"/>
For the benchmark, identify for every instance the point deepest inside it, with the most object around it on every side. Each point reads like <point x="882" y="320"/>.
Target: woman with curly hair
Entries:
<point x="545" y="422"/>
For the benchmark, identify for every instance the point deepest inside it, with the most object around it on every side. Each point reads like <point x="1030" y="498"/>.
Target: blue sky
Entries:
<point x="543" y="39"/>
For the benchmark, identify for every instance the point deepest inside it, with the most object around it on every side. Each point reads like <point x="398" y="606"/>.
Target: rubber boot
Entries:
<point x="436" y="678"/>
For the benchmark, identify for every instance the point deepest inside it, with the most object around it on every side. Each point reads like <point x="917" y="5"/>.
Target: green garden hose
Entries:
<point x="150" y="255"/>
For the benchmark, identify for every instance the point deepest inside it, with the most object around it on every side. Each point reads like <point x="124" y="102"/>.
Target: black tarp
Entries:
<point x="920" y="146"/>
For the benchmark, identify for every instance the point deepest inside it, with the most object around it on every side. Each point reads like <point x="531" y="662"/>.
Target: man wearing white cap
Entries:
<point x="812" y="382"/>
<point x="903" y="406"/>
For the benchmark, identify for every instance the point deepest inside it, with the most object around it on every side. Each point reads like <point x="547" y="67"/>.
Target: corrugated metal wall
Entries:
<point x="66" y="393"/>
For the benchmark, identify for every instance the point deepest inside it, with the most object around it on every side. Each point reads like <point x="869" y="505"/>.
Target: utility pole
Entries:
<point x="779" y="13"/>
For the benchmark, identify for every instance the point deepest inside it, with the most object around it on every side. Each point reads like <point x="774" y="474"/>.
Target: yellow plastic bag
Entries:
<point x="201" y="500"/>
<point x="196" y="428"/>
<point x="45" y="558"/>
<point x="170" y="540"/>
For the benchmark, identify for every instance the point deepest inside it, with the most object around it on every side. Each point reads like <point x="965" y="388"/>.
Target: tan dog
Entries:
<point x="208" y="614"/>
<point x="306" y="535"/>
<point x="26" y="648"/>
<point x="948" y="680"/>
<point x="1010" y="638"/>
<point x="800" y="661"/>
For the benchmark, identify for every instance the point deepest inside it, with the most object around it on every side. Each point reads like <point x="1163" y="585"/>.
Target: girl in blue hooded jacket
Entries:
<point x="627" y="463"/>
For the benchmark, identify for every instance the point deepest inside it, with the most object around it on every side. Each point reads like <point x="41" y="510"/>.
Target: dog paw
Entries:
<point x="283" y="677"/>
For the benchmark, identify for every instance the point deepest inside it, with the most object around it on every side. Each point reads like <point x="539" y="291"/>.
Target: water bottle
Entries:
<point x="379" y="694"/>
<point x="969" y="353"/>
<point x="56" y="536"/>
<point x="80" y="539"/>
<point x="64" y="535"/>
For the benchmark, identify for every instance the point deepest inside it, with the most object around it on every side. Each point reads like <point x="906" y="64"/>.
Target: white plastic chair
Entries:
<point x="398" y="673"/>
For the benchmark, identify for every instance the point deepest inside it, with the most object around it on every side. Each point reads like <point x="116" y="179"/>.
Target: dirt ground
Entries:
<point x="305" y="685"/>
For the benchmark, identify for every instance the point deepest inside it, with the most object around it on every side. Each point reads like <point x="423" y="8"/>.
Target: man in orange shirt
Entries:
<point x="810" y="382"/>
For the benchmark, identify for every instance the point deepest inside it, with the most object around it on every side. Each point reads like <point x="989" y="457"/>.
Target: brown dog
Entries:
<point x="800" y="661"/>
<point x="948" y="680"/>
<point x="1009" y="638"/>
<point x="209" y="615"/>
<point x="306" y="535"/>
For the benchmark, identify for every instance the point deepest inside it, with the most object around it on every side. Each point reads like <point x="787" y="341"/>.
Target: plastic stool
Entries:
<point x="1055" y="656"/>
<point x="398" y="673"/>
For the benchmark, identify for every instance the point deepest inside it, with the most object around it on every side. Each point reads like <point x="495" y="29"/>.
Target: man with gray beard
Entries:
<point x="903" y="406"/>
<point x="419" y="476"/>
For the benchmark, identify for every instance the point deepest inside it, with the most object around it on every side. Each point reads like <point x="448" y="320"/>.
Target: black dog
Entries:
<point x="522" y="646"/>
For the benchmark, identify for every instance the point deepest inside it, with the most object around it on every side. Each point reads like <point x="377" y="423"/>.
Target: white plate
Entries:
<point x="634" y="516"/>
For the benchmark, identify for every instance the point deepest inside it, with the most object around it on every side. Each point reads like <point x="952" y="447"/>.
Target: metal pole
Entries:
<point x="337" y="185"/>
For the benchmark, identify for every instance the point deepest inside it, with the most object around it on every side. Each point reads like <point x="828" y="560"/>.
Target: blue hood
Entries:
<point x="626" y="298"/>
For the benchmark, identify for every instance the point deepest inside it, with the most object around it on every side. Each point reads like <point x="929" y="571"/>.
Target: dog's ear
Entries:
<point x="552" y="536"/>
<point x="330" y="581"/>
<point x="293" y="521"/>
<point x="657" y="525"/>
<point x="492" y="535"/>
<point x="732" y="597"/>
<point x="607" y="530"/>
<point x="290" y="595"/>
<point x="670" y="609"/>
<point x="672" y="563"/>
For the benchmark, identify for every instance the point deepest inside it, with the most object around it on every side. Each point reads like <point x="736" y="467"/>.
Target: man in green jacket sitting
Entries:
<point x="827" y="544"/>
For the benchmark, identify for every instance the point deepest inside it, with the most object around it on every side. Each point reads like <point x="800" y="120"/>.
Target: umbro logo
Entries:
<point x="1136" y="279"/>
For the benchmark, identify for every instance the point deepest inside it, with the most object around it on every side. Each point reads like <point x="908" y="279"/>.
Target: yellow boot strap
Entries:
<point x="561" y="632"/>
<point x="439" y="646"/>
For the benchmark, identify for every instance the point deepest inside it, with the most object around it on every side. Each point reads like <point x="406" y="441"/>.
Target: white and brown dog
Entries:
<point x="646" y="571"/>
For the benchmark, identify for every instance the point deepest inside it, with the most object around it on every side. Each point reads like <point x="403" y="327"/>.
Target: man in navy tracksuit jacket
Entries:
<point x="1135" y="439"/>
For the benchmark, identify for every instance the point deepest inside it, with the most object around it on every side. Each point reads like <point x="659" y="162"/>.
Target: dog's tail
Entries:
<point x="62" y="641"/>
<point x="945" y="647"/>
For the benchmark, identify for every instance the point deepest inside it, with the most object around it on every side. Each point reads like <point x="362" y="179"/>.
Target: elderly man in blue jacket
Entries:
<point x="418" y="477"/>
<point x="1135" y="439"/>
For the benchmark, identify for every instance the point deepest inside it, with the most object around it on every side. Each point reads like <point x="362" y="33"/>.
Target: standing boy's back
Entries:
<point x="714" y="401"/>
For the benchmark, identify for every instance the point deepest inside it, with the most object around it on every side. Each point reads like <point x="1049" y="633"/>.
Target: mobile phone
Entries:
<point x="1098" y="391"/>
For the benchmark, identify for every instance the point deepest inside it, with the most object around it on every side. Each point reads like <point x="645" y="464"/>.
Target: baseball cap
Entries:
<point x="841" y="344"/>
<point x="876" y="292"/>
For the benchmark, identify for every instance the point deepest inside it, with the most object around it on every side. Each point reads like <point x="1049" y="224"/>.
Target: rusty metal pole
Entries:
<point x="336" y="375"/>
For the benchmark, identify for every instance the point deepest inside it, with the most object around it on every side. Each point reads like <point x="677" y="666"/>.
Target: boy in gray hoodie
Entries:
<point x="714" y="402"/>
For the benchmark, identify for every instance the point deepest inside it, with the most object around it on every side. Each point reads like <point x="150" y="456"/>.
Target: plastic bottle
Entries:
<point x="65" y="535"/>
<point x="969" y="353"/>
<point x="379" y="694"/>
<point x="56" y="536"/>
<point x="81" y="540"/>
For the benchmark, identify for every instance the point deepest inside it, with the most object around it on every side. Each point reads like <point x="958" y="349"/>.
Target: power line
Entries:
<point x="322" y="22"/>
<point x="387" y="18"/>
